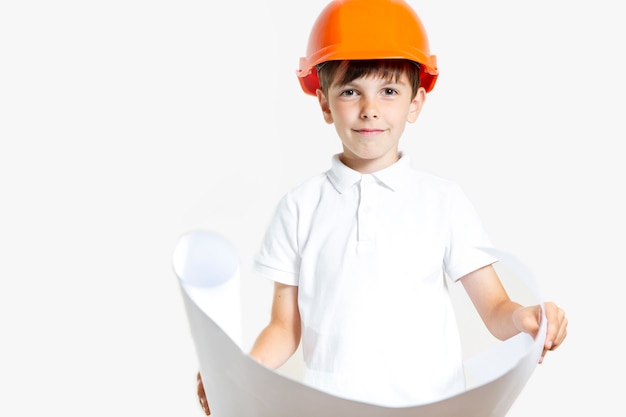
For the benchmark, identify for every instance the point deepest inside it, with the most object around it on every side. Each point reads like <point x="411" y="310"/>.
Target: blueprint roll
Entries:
<point x="242" y="387"/>
<point x="207" y="267"/>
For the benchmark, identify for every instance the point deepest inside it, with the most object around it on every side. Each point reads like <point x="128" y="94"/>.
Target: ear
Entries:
<point x="321" y="98"/>
<point x="416" y="105"/>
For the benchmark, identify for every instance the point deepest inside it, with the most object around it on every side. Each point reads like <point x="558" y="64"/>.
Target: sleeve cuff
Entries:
<point x="478" y="260"/>
<point x="287" y="278"/>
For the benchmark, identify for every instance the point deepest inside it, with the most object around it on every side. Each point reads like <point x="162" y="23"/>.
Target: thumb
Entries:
<point x="528" y="319"/>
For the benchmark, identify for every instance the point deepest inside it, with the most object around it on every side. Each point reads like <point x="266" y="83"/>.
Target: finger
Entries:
<point x="554" y="324"/>
<point x="202" y="396"/>
<point x="556" y="329"/>
<point x="205" y="406"/>
<point x="561" y="333"/>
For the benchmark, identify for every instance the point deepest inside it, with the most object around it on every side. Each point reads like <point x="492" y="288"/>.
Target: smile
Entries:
<point x="369" y="131"/>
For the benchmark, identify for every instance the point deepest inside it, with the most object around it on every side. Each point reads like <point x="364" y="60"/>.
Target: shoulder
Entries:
<point x="430" y="182"/>
<point x="304" y="191"/>
<point x="441" y="194"/>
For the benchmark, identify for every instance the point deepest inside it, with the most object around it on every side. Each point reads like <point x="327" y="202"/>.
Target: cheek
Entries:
<point x="343" y="113"/>
<point x="391" y="114"/>
<point x="399" y="114"/>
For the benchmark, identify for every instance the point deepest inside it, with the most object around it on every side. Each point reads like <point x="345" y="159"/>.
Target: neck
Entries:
<point x="368" y="166"/>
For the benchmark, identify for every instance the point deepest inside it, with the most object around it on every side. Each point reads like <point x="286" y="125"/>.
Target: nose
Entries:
<point x="369" y="110"/>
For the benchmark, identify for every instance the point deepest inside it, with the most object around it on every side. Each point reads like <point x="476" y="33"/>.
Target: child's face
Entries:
<point x="370" y="115"/>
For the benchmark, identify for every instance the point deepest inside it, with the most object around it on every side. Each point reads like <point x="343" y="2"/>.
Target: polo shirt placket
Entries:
<point x="366" y="214"/>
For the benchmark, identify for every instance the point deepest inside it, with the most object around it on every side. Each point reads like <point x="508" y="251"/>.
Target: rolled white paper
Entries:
<point x="237" y="385"/>
<point x="208" y="269"/>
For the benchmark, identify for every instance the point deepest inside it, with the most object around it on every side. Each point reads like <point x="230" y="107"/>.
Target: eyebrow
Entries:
<point x="384" y="81"/>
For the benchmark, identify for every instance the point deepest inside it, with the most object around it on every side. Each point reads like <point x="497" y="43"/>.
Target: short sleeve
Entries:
<point x="279" y="259"/>
<point x="467" y="237"/>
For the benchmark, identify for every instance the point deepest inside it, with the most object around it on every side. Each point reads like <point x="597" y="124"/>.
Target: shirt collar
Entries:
<point x="393" y="177"/>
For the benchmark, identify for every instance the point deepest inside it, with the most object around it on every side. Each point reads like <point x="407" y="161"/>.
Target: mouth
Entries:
<point x="369" y="132"/>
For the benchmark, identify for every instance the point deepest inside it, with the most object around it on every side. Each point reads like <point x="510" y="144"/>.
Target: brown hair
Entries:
<point x="343" y="72"/>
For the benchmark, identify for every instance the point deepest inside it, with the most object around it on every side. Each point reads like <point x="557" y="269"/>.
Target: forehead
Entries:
<point x="373" y="78"/>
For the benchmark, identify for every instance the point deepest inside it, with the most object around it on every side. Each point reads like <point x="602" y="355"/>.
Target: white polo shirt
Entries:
<point x="368" y="253"/>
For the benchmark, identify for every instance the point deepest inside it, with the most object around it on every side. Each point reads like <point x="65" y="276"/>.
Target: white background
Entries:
<point x="124" y="124"/>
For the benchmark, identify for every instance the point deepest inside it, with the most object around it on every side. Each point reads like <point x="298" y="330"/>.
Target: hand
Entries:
<point x="557" y="327"/>
<point x="528" y="319"/>
<point x="202" y="396"/>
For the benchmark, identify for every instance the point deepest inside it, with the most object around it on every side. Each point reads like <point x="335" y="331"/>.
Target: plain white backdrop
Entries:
<point x="124" y="124"/>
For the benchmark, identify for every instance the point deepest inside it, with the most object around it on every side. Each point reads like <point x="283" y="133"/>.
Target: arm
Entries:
<point x="278" y="341"/>
<point x="505" y="318"/>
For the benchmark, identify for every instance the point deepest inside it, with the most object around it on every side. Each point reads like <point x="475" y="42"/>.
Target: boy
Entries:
<point x="359" y="254"/>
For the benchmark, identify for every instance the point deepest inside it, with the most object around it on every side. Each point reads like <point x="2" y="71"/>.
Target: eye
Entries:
<point x="389" y="91"/>
<point x="348" y="93"/>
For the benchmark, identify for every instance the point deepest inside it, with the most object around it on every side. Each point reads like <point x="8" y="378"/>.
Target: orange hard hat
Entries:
<point x="367" y="29"/>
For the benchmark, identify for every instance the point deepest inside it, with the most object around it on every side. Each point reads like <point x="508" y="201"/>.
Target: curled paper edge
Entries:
<point x="237" y="385"/>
